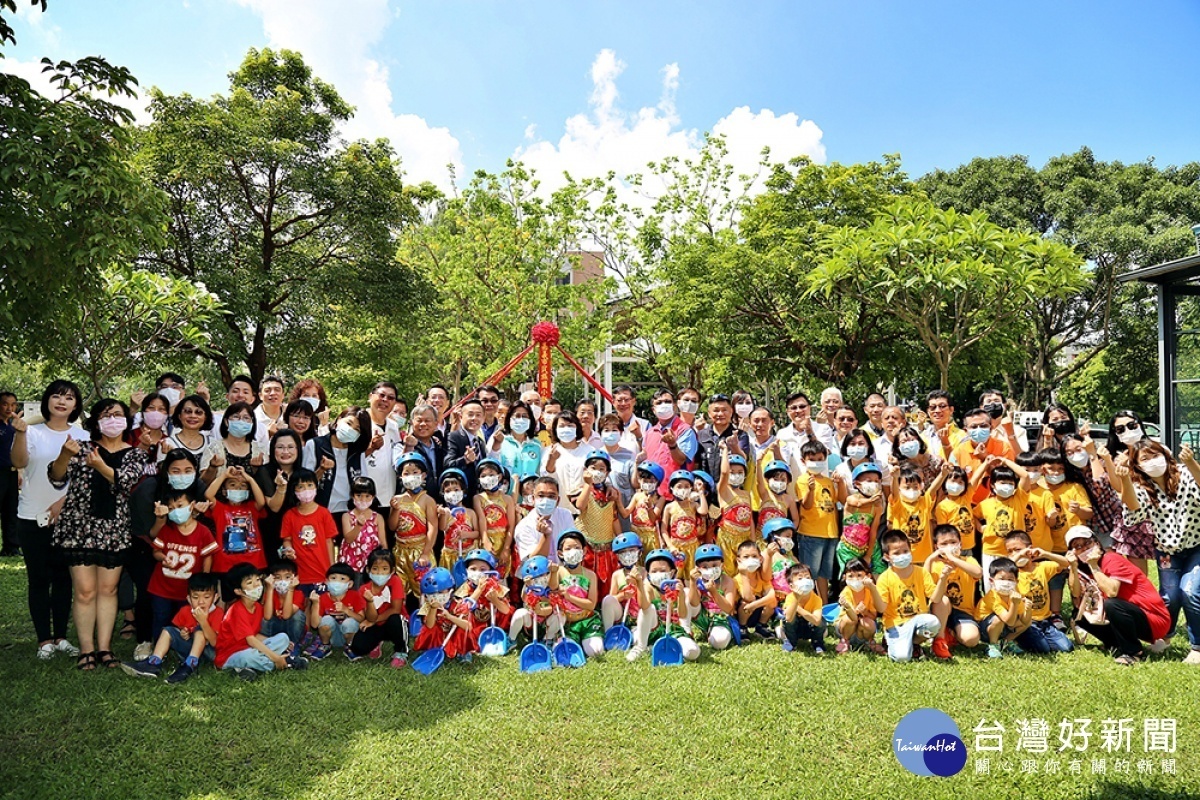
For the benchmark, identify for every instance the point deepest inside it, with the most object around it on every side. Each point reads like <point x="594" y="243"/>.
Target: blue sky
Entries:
<point x="585" y="86"/>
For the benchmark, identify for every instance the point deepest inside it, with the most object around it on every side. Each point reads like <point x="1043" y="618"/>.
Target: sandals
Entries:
<point x="1126" y="660"/>
<point x="107" y="659"/>
<point x="86" y="662"/>
<point x="128" y="629"/>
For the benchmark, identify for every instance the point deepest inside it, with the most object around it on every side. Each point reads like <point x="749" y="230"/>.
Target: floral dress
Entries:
<point x="93" y="529"/>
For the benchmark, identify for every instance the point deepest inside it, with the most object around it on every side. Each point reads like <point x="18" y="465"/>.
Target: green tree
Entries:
<point x="955" y="279"/>
<point x="273" y="213"/>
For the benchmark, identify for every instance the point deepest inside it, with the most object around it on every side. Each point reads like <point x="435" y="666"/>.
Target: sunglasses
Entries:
<point x="797" y="407"/>
<point x="1129" y="426"/>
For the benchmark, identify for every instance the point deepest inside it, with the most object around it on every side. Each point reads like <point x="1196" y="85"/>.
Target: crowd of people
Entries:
<point x="278" y="531"/>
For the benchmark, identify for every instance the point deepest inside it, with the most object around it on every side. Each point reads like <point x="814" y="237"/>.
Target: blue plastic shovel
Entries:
<point x="460" y="569"/>
<point x="735" y="628"/>
<point x="619" y="637"/>
<point x="667" y="652"/>
<point x="414" y="623"/>
<point x="567" y="653"/>
<point x="535" y="656"/>
<point x="493" y="641"/>
<point x="428" y="662"/>
<point x="829" y="612"/>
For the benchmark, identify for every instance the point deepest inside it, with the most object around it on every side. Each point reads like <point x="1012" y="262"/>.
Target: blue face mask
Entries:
<point x="240" y="427"/>
<point x="183" y="481"/>
<point x="610" y="438"/>
<point x="380" y="580"/>
<point x="979" y="435"/>
<point x="237" y="495"/>
<point x="901" y="561"/>
<point x="336" y="588"/>
<point x="180" y="515"/>
<point x="545" y="506"/>
<point x="519" y="424"/>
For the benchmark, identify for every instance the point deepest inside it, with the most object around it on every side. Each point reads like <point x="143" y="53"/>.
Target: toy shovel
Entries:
<point x="428" y="662"/>
<point x="619" y="637"/>
<point x="567" y="653"/>
<point x="535" y="656"/>
<point x="667" y="652"/>
<point x="493" y="641"/>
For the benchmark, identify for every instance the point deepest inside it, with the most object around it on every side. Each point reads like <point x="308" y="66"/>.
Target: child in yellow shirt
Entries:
<point x="908" y="593"/>
<point x="1004" y="510"/>
<point x="910" y="507"/>
<point x="1042" y="514"/>
<point x="860" y="603"/>
<point x="802" y="617"/>
<point x="1003" y="611"/>
<point x="955" y="508"/>
<point x="1036" y="569"/>
<point x="1074" y="506"/>
<point x="958" y="621"/>
<point x="756" y="596"/>
<point x="818" y="528"/>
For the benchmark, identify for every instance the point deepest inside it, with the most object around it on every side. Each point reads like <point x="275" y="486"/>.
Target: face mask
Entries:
<point x="1005" y="490"/>
<point x="154" y="419"/>
<point x="979" y="435"/>
<point x="657" y="578"/>
<point x="737" y="479"/>
<point x="401" y="422"/>
<point x="994" y="410"/>
<point x="255" y="593"/>
<point x="778" y="487"/>
<point x="682" y="492"/>
<point x="380" y="580"/>
<point x="1004" y="587"/>
<point x="545" y="506"/>
<point x="281" y="586"/>
<point x="785" y="544"/>
<point x="305" y="495"/>
<point x="689" y="406"/>
<point x="1130" y="437"/>
<point x="816" y="467"/>
<point x="346" y="433"/>
<point x="572" y="558"/>
<point x="955" y="489"/>
<point x="856" y="451"/>
<point x="536" y="411"/>
<point x="610" y="438"/>
<point x="750" y="564"/>
<point x="113" y="426"/>
<point x="171" y="396"/>
<point x="313" y="402"/>
<point x="1022" y="561"/>
<point x="476" y="576"/>
<point x="180" y="515"/>
<point x="1079" y="458"/>
<point x="743" y="409"/>
<point x="649" y="487"/>
<point x="519" y="425"/>
<point x="566" y="435"/>
<point x="438" y="599"/>
<point x="1154" y="467"/>
<point x="540" y="582"/>
<point x="527" y="500"/>
<point x="1034" y="476"/>
<point x="362" y="505"/>
<point x="240" y="427"/>
<point x="802" y="586"/>
<point x="413" y="482"/>
<point x="242" y="495"/>
<point x="1055" y="480"/>
<point x="954" y="549"/>
<point x="1063" y="426"/>
<point x="901" y="561"/>
<point x="548" y="419"/>
<point x="182" y="481"/>
<point x="855" y="583"/>
<point x="868" y="488"/>
<point x="489" y="482"/>
<point x="664" y="411"/>
<point x="910" y="448"/>
<point x="337" y="588"/>
<point x="910" y="495"/>
<point x="599" y="476"/>
<point x="454" y="498"/>
<point x="628" y="557"/>
<point x="711" y="574"/>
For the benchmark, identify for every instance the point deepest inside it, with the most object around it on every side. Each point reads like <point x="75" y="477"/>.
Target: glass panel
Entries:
<point x="1187" y="414"/>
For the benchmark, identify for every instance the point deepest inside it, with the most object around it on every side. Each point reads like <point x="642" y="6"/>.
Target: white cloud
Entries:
<point x="336" y="42"/>
<point x="31" y="71"/>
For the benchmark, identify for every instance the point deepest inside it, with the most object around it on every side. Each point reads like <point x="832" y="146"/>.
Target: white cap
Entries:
<point x="1079" y="532"/>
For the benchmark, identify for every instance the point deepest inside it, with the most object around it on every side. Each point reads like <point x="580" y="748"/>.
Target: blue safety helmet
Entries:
<point x="772" y="527"/>
<point x="777" y="466"/>
<point x="655" y="555"/>
<point x="707" y="552"/>
<point x="626" y="541"/>
<point x="480" y="554"/>
<point x="652" y="469"/>
<point x="534" y="567"/>
<point x="437" y="580"/>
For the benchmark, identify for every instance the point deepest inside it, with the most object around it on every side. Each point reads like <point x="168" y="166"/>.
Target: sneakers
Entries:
<point x="47" y="651"/>
<point x="1057" y="621"/>
<point x="634" y="653"/>
<point x="1193" y="657"/>
<point x="994" y="651"/>
<point x="377" y="652"/>
<point x="950" y="638"/>
<point x="63" y="646"/>
<point x="142" y="651"/>
<point x="843" y="647"/>
<point x="1014" y="648"/>
<point x="319" y="652"/>
<point x="788" y="646"/>
<point x="245" y="673"/>
<point x="297" y="662"/>
<point x="940" y="649"/>
<point x="399" y="661"/>
<point x="820" y="651"/>
<point x="466" y="658"/>
<point x="876" y="648"/>
<point x="764" y="632"/>
<point x="181" y="674"/>
<point x="1158" y="646"/>
<point x="352" y="656"/>
<point x="142" y="669"/>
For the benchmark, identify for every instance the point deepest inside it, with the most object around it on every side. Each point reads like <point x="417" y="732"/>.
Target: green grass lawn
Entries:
<point x="753" y="722"/>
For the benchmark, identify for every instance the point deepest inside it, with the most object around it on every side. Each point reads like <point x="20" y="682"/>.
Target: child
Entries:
<point x="711" y="597"/>
<point x="957" y="616"/>
<point x="622" y="593"/>
<point x="362" y="526"/>
<point x="459" y="522"/>
<point x="704" y="486"/>
<point x="237" y="513"/>
<point x="818" y="527"/>
<point x="241" y="649"/>
<point x="802" y="611"/>
<point x="1034" y="576"/>
<point x="1003" y="611"/>
<point x="910" y="508"/>
<point x="191" y="634"/>
<point x="1004" y="510"/>
<point x="681" y="518"/>
<point x="737" y="519"/>
<point x="956" y="508"/>
<point x="780" y="535"/>
<point x="600" y="512"/>
<point x="525" y="504"/>
<point x="484" y="592"/>
<point x="645" y="507"/>
<point x="495" y="507"/>
<point x="1065" y="483"/>
<point x="757" y="603"/>
<point x="1042" y="515"/>
<point x="283" y="603"/>
<point x="441" y="612"/>
<point x="908" y="593"/>
<point x="308" y="531"/>
<point x="534" y="573"/>
<point x="414" y="518"/>
<point x="863" y="508"/>
<point x="182" y="548"/>
<point x="383" y="615"/>
<point x="776" y="499"/>
<point x="655" y="598"/>
<point x="860" y="603"/>
<point x="337" y="613"/>
<point x="579" y="589"/>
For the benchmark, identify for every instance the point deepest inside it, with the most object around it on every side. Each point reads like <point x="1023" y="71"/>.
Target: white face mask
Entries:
<point x="910" y="449"/>
<point x="346" y="434"/>
<point x="313" y="402"/>
<point x="856" y="584"/>
<point x="743" y="409"/>
<point x="1005" y="490"/>
<point x="572" y="557"/>
<point x="454" y="498"/>
<point x="1130" y="437"/>
<point x="566" y="435"/>
<point x="255" y="593"/>
<point x="955" y="489"/>
<point x="777" y="487"/>
<point x="362" y="505"/>
<point x="901" y="561"/>
<point x="540" y="582"/>
<point x="689" y="406"/>
<point x="682" y="493"/>
<point x="1056" y="479"/>
<point x="664" y="411"/>
<point x="281" y="586"/>
<point x="910" y="495"/>
<point x="856" y="451"/>
<point x="868" y="488"/>
<point x="657" y="578"/>
<point x="802" y="586"/>
<point x="599" y="476"/>
<point x="649" y="487"/>
<point x="171" y="395"/>
<point x="785" y="544"/>
<point x="816" y="467"/>
<point x="1079" y="458"/>
<point x="954" y="549"/>
<point x="750" y="564"/>
<point x="1021" y="561"/>
<point x="438" y="599"/>
<point x="413" y="482"/>
<point x="1034" y="476"/>
<point x="1154" y="467"/>
<point x="628" y="557"/>
<point x="610" y="438"/>
<point x="1004" y="587"/>
<point x="489" y="482"/>
<point x="711" y="574"/>
<point x="519" y="425"/>
<point x="476" y="576"/>
<point x="737" y="479"/>
<point x="536" y="411"/>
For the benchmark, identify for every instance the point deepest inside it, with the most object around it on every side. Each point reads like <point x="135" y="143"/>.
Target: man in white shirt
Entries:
<point x="802" y="428"/>
<point x="635" y="426"/>
<point x="385" y="435"/>
<point x="537" y="533"/>
<point x="269" y="412"/>
<point x="240" y="390"/>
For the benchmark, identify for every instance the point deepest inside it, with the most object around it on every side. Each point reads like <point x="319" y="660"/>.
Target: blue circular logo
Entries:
<point x="927" y="742"/>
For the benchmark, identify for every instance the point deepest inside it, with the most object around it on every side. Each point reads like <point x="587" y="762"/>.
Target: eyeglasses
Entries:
<point x="939" y="407"/>
<point x="489" y="401"/>
<point x="1129" y="426"/>
<point x="1080" y="544"/>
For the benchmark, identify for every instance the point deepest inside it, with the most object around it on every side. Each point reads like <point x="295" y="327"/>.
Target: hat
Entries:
<point x="865" y="467"/>
<point x="1079" y="532"/>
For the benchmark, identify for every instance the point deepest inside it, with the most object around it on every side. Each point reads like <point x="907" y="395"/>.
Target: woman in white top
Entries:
<point x="191" y="426"/>
<point x="565" y="458"/>
<point x="33" y="450"/>
<point x="238" y="445"/>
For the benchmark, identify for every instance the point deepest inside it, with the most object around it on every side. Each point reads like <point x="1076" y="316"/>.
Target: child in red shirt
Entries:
<point x="191" y="634"/>
<point x="337" y="613"/>
<point x="182" y="548"/>
<point x="240" y="646"/>
<point x="384" y="611"/>
<point x="283" y="603"/>
<point x="237" y="503"/>
<point x="308" y="531"/>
